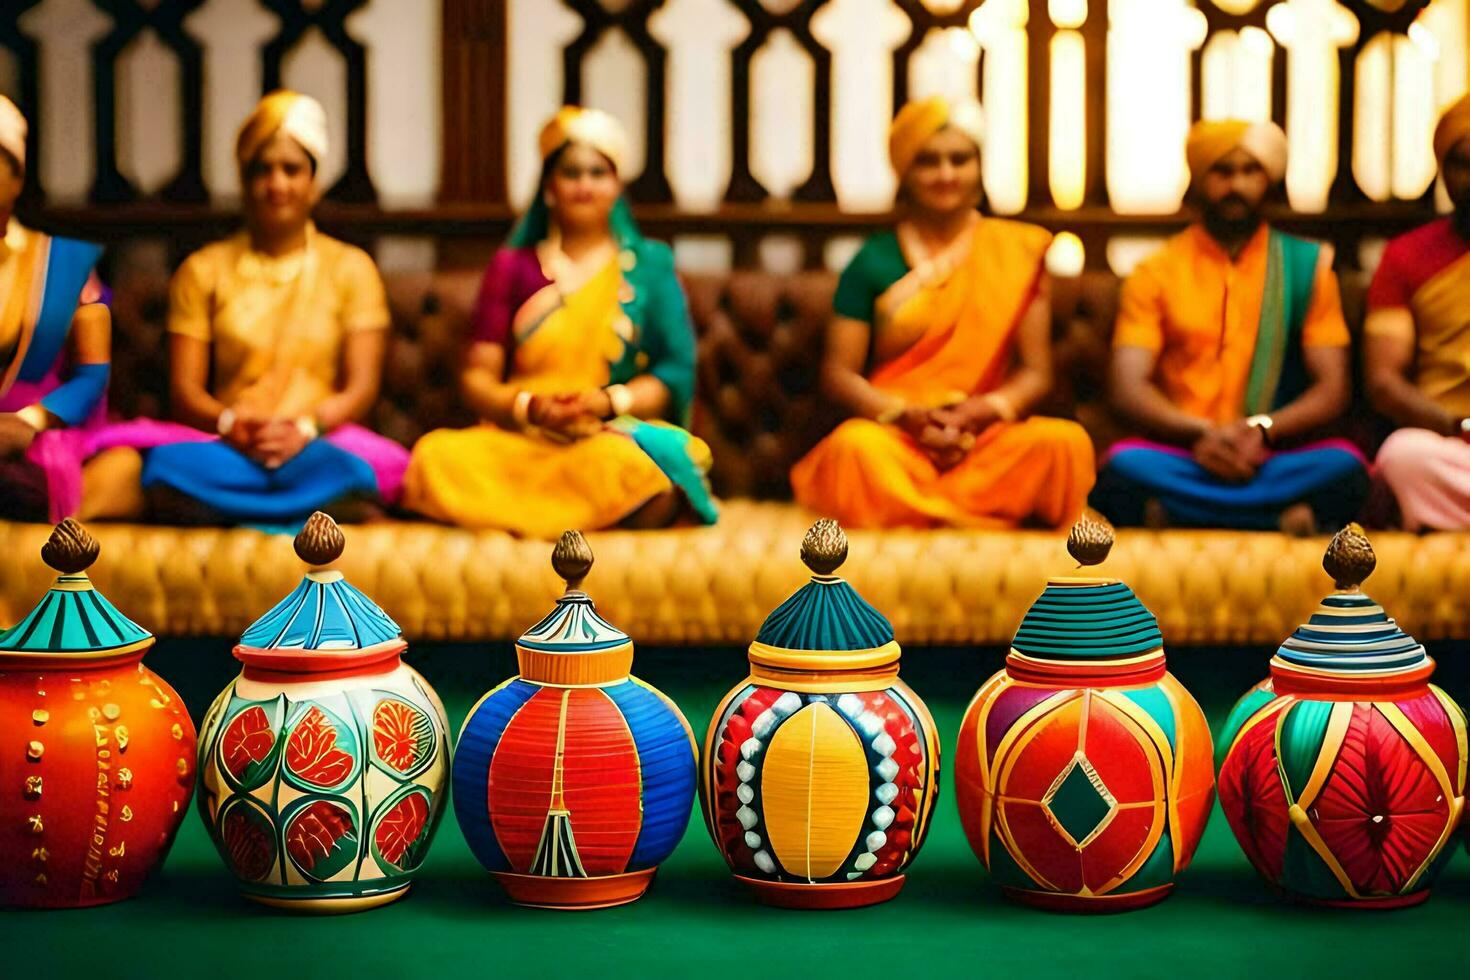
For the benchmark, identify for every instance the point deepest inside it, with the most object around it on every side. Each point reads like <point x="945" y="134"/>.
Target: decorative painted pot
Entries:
<point x="98" y="759"/>
<point x="323" y="765"/>
<point x="1343" y="775"/>
<point x="573" y="780"/>
<point x="1084" y="772"/>
<point x="821" y="768"/>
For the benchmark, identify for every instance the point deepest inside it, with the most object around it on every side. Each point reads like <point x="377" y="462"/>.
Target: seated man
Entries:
<point x="1230" y="351"/>
<point x="939" y="347"/>
<point x="1416" y="358"/>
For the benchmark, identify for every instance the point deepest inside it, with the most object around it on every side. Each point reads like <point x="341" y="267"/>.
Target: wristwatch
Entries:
<point x="1264" y="423"/>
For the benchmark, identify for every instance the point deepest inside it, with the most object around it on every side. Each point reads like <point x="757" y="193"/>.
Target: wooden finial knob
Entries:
<point x="1349" y="558"/>
<point x="70" y="548"/>
<point x="321" y="541"/>
<point x="572" y="558"/>
<point x="824" y="548"/>
<point x="1090" y="540"/>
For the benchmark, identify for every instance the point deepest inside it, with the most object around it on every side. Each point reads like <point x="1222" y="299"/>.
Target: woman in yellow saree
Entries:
<point x="582" y="349"/>
<point x="939" y="346"/>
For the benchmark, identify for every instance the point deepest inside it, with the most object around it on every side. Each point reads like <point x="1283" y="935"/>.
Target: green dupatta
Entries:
<point x="1278" y="369"/>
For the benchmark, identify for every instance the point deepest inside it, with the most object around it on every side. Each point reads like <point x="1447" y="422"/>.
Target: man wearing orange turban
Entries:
<point x="938" y="349"/>
<point x="1416" y="354"/>
<point x="1230" y="355"/>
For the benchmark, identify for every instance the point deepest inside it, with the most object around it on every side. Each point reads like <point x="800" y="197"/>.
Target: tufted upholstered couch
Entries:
<point x="759" y="339"/>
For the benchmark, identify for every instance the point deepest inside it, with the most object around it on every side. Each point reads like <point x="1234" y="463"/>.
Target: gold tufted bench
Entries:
<point x="715" y="585"/>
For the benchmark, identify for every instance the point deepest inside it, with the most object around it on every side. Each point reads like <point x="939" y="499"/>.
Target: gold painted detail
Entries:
<point x="124" y="778"/>
<point x="40" y="855"/>
<point x="121" y="731"/>
<point x="35" y="825"/>
<point x="183" y="766"/>
<point x="111" y="711"/>
<point x="41" y="879"/>
<point x="121" y="850"/>
<point x="40" y="716"/>
<point x="127" y="813"/>
<point x="34" y="751"/>
<point x="33" y="787"/>
<point x="177" y="732"/>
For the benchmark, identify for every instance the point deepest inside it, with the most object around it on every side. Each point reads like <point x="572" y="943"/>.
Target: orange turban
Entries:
<point x="1209" y="141"/>
<point x="592" y="127"/>
<point x="1454" y="125"/>
<point x="13" y="131"/>
<point x="921" y="119"/>
<point x="298" y="116"/>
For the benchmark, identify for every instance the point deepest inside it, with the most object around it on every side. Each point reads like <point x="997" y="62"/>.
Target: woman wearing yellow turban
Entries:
<point x="939" y="347"/>
<point x="581" y="358"/>
<point x="277" y="338"/>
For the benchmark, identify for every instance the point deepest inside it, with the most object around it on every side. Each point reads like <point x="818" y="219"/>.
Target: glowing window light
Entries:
<point x="1311" y="31"/>
<point x="1237" y="6"/>
<point x="1414" y="117"/>
<point x="1148" y="102"/>
<point x="1124" y="252"/>
<point x="1066" y="257"/>
<point x="1067" y="123"/>
<point x="947" y="63"/>
<point x="1372" y="111"/>
<point x="1235" y="75"/>
<point x="1067" y="13"/>
<point x="1000" y="27"/>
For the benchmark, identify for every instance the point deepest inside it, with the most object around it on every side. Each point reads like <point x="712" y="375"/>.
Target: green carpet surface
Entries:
<point x="949" y="921"/>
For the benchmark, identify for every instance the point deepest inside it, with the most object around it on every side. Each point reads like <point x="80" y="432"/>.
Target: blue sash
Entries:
<point x="68" y="264"/>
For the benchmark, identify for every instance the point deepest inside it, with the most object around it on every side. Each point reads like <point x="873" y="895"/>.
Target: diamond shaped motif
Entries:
<point x="1078" y="801"/>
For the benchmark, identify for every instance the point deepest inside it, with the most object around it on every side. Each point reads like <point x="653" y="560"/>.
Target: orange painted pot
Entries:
<point x="96" y="750"/>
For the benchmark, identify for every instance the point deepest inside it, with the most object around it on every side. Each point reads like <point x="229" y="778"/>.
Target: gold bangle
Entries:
<point x="1004" y="410"/>
<point x="620" y="398"/>
<point x="520" y="409"/>
<point x="892" y="412"/>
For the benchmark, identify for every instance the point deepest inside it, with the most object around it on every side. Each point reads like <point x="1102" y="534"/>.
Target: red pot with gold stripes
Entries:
<point x="1083" y="770"/>
<point x="98" y="758"/>
<point x="1343" y="775"/>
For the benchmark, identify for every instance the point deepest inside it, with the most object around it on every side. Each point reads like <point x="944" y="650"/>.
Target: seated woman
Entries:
<point x="55" y="349"/>
<point x="939" y="346"/>
<point x="291" y="326"/>
<point x="581" y="333"/>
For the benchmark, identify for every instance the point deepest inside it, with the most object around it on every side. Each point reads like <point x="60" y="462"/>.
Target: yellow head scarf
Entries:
<point x="13" y="130"/>
<point x="298" y="116"/>
<point x="1454" y="125"/>
<point x="595" y="128"/>
<point x="921" y="119"/>
<point x="1210" y="140"/>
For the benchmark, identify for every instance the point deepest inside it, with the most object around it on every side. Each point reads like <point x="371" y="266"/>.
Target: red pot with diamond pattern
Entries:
<point x="323" y="767"/>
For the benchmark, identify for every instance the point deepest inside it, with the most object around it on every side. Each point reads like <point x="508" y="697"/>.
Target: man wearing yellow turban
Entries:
<point x="55" y="347"/>
<point x="938" y="349"/>
<point x="276" y="343"/>
<point x="1230" y="357"/>
<point x="1416" y="354"/>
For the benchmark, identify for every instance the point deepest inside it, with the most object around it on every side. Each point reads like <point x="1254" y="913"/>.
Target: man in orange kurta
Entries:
<point x="1230" y="352"/>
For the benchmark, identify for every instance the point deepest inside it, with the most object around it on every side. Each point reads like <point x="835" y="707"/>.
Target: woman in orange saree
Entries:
<point x="939" y="346"/>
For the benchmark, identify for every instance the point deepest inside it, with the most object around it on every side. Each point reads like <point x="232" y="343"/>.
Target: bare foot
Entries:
<point x="1155" y="516"/>
<point x="1298" y="521"/>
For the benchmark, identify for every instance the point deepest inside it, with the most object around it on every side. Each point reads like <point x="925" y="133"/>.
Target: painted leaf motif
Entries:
<point x="246" y="745"/>
<point x="312" y="752"/>
<point x="248" y="843"/>
<point x="402" y="734"/>
<point x="400" y="836"/>
<point x="321" y="839"/>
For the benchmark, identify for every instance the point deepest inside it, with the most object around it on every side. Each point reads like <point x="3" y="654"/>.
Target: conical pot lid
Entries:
<point x="73" y="619"/>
